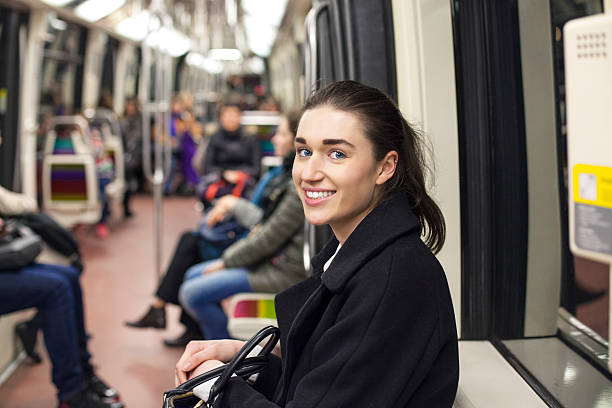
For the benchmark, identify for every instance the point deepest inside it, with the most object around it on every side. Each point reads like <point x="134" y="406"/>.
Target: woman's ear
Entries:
<point x="386" y="168"/>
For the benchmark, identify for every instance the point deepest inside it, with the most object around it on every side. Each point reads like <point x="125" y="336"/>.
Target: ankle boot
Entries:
<point x="27" y="332"/>
<point x="154" y="318"/>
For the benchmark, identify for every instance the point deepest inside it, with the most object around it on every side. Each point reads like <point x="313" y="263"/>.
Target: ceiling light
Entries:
<point x="93" y="10"/>
<point x="224" y="54"/>
<point x="57" y="3"/>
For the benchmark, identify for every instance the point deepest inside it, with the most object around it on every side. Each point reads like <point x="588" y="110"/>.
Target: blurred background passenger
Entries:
<point x="185" y="126"/>
<point x="193" y="248"/>
<point x="178" y="106"/>
<point x="131" y="126"/>
<point x="232" y="159"/>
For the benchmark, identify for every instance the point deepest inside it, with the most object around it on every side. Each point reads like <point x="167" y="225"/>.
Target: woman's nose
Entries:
<point x="312" y="170"/>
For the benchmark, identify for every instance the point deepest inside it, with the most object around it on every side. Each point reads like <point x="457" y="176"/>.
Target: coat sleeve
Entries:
<point x="15" y="203"/>
<point x="246" y="213"/>
<point x="377" y="353"/>
<point x="275" y="232"/>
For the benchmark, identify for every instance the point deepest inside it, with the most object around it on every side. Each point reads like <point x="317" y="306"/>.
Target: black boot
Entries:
<point x="105" y="392"/>
<point x="88" y="399"/>
<point x="183" y="339"/>
<point x="155" y="318"/>
<point x="27" y="333"/>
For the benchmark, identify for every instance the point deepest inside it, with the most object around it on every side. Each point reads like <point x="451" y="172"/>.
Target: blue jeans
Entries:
<point x="56" y="292"/>
<point x="200" y="296"/>
<point x="102" y="183"/>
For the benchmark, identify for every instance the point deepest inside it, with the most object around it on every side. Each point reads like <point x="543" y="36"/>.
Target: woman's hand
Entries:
<point x="220" y="210"/>
<point x="214" y="266"/>
<point x="201" y="356"/>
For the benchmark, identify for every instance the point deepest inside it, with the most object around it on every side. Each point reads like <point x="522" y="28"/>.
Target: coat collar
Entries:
<point x="389" y="220"/>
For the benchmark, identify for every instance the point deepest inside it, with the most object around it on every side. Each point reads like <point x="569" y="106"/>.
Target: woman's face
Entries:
<point x="283" y="138"/>
<point x="335" y="172"/>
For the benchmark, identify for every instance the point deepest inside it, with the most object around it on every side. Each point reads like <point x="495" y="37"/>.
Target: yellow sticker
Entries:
<point x="593" y="185"/>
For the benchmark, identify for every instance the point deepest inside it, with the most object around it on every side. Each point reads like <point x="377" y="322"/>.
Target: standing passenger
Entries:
<point x="374" y="326"/>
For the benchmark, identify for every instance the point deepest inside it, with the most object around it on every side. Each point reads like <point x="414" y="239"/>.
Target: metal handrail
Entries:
<point x="159" y="108"/>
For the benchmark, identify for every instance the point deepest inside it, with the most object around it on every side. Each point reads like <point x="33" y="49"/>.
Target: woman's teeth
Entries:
<point x="318" y="194"/>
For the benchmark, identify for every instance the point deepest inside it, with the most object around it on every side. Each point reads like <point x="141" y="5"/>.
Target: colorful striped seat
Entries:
<point x="255" y="308"/>
<point x="63" y="143"/>
<point x="68" y="182"/>
<point x="249" y="312"/>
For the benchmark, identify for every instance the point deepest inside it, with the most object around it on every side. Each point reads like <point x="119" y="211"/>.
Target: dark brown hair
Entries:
<point x="293" y="119"/>
<point x="386" y="128"/>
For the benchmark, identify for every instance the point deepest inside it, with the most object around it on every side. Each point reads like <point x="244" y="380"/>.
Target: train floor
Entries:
<point x="118" y="281"/>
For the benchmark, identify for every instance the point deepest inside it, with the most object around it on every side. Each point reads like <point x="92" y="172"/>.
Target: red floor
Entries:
<point x="118" y="282"/>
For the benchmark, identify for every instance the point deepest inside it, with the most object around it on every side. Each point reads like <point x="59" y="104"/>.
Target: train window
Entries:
<point x="132" y="73"/>
<point x="107" y="79"/>
<point x="62" y="67"/>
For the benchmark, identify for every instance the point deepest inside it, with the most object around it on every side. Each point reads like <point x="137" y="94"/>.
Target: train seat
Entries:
<point x="249" y="312"/>
<point x="69" y="177"/>
<point x="70" y="189"/>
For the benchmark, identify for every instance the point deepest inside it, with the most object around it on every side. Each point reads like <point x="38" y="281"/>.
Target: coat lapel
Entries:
<point x="387" y="222"/>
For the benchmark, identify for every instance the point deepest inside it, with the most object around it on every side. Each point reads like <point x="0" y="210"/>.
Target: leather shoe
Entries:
<point x="154" y="318"/>
<point x="183" y="339"/>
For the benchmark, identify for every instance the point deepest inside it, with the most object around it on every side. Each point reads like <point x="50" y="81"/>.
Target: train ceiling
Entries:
<point x="199" y="26"/>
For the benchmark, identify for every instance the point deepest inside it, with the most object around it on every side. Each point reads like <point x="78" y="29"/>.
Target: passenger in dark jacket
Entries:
<point x="374" y="326"/>
<point x="229" y="150"/>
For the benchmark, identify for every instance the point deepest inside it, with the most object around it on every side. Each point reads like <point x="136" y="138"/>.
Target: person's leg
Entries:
<point x="52" y="295"/>
<point x="72" y="276"/>
<point x="200" y="296"/>
<point x="185" y="255"/>
<point x="92" y="381"/>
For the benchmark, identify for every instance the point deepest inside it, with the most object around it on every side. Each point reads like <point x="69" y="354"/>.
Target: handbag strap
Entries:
<point x="230" y="368"/>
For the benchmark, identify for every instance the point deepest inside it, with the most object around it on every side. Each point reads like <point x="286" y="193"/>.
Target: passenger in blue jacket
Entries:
<point x="374" y="326"/>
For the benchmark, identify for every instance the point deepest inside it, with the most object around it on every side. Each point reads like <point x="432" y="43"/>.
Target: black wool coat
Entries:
<point x="377" y="329"/>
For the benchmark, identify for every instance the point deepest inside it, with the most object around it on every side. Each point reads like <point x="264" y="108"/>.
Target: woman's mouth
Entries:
<point x="316" y="197"/>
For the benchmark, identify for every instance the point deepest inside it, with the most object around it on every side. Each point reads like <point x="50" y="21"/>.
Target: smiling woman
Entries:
<point x="377" y="313"/>
<point x="335" y="170"/>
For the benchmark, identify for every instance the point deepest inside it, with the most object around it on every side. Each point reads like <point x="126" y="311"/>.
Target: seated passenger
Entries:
<point x="131" y="128"/>
<point x="56" y="292"/>
<point x="193" y="248"/>
<point x="374" y="326"/>
<point x="232" y="160"/>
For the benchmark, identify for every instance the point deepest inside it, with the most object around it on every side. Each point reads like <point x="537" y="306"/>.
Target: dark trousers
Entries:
<point x="185" y="255"/>
<point x="56" y="292"/>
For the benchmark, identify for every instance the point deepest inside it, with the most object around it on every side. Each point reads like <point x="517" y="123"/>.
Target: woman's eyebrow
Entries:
<point x="300" y="140"/>
<point x="337" y="141"/>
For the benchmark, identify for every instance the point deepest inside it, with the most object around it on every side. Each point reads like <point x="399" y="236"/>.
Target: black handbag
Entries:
<point x="242" y="366"/>
<point x="19" y="246"/>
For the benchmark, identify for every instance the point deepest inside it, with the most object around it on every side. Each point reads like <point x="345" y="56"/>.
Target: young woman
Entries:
<point x="374" y="326"/>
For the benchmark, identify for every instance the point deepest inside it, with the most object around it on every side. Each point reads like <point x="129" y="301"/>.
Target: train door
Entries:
<point x="13" y="28"/>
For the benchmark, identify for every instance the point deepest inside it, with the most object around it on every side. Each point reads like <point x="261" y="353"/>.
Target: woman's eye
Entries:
<point x="302" y="152"/>
<point x="337" y="155"/>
